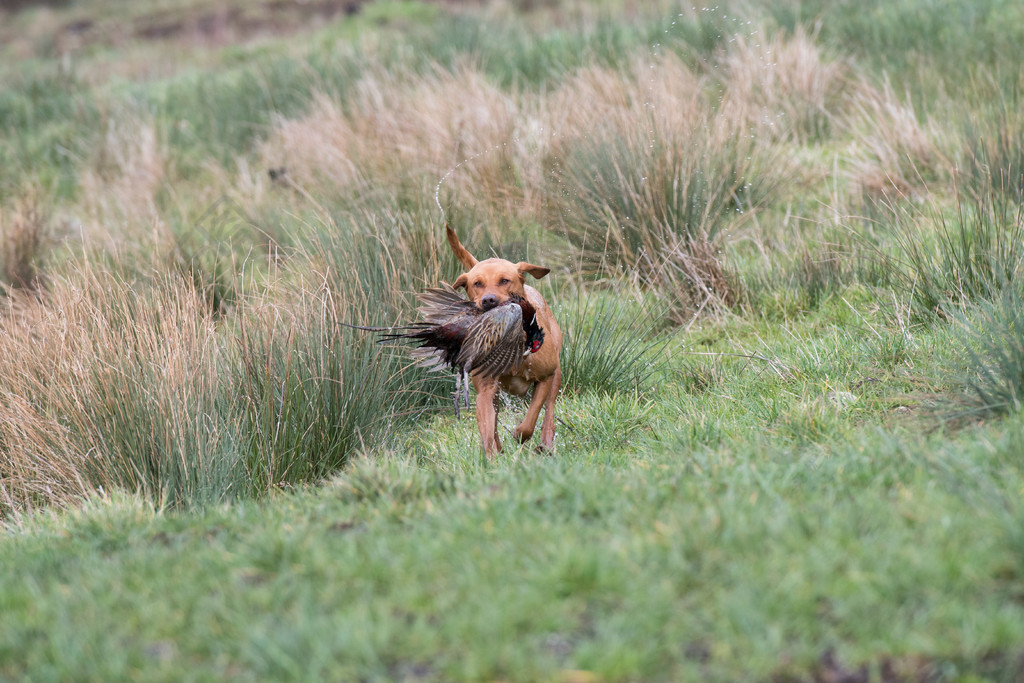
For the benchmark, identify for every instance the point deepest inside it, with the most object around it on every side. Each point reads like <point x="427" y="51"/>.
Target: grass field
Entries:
<point x="786" y="240"/>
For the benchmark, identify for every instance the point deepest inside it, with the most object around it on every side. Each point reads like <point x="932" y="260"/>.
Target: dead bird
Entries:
<point x="453" y="332"/>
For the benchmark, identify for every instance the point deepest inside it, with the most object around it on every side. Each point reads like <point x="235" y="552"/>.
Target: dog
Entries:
<point x="490" y="283"/>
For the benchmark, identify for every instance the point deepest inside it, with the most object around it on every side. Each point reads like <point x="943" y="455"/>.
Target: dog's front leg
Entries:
<point x="487" y="414"/>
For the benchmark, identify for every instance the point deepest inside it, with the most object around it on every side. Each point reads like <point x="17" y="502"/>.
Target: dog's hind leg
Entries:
<point x="547" y="428"/>
<point x="541" y="391"/>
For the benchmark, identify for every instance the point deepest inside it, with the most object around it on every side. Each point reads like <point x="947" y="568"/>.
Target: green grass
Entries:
<point x="966" y="40"/>
<point x="949" y="260"/>
<point x="49" y="119"/>
<point x="667" y="554"/>
<point x="740" y="519"/>
<point x="995" y="160"/>
<point x="784" y="236"/>
<point x="609" y="346"/>
<point x="996" y="343"/>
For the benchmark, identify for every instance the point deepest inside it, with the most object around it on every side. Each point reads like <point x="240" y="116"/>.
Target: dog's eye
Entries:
<point x="478" y="284"/>
<point x="503" y="281"/>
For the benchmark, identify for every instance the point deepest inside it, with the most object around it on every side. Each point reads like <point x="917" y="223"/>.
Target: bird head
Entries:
<point x="534" y="332"/>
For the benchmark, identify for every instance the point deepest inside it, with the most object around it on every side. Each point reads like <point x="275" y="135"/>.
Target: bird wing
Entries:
<point x="452" y="332"/>
<point x="440" y="345"/>
<point x="494" y="342"/>
<point x="440" y="305"/>
<point x="445" y="317"/>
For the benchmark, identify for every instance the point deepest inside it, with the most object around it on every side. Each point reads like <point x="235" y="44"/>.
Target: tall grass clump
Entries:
<point x="611" y="344"/>
<point x="664" y="207"/>
<point x="994" y="332"/>
<point x="143" y="385"/>
<point x="948" y="260"/>
<point x="311" y="391"/>
<point x="126" y="380"/>
<point x="995" y="155"/>
<point x="23" y="240"/>
<point x="783" y="86"/>
<point x="650" y="178"/>
<point x="896" y="151"/>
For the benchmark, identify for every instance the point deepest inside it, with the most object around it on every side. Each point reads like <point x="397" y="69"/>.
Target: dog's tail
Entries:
<point x="465" y="258"/>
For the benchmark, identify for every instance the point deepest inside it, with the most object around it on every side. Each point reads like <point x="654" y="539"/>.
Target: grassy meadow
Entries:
<point x="786" y="240"/>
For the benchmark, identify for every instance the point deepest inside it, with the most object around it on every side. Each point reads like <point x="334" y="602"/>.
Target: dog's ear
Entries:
<point x="536" y="271"/>
<point x="465" y="258"/>
<point x="461" y="281"/>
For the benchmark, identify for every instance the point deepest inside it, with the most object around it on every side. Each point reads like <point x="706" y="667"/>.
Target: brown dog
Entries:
<point x="490" y="283"/>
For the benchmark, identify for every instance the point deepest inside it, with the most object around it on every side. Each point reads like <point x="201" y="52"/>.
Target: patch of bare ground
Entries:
<point x="905" y="669"/>
<point x="65" y="28"/>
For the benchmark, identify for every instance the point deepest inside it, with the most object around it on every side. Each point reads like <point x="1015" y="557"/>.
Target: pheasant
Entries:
<point x="454" y="333"/>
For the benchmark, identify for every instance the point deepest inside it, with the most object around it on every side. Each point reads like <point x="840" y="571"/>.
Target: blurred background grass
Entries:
<point x="195" y="195"/>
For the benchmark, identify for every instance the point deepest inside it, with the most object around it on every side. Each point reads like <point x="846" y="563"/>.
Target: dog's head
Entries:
<point x="491" y="282"/>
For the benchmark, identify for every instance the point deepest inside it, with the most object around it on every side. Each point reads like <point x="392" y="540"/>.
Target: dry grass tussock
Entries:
<point x="662" y="90"/>
<point x="402" y="128"/>
<point x="895" y="153"/>
<point x="106" y="386"/>
<point x="121" y="181"/>
<point x="640" y="154"/>
<point x="783" y="87"/>
<point x="663" y="209"/>
<point x="660" y="179"/>
<point x="399" y="128"/>
<point x="142" y="386"/>
<point x="23" y="239"/>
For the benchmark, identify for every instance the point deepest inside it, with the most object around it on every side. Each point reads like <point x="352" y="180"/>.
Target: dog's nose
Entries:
<point x="488" y="301"/>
